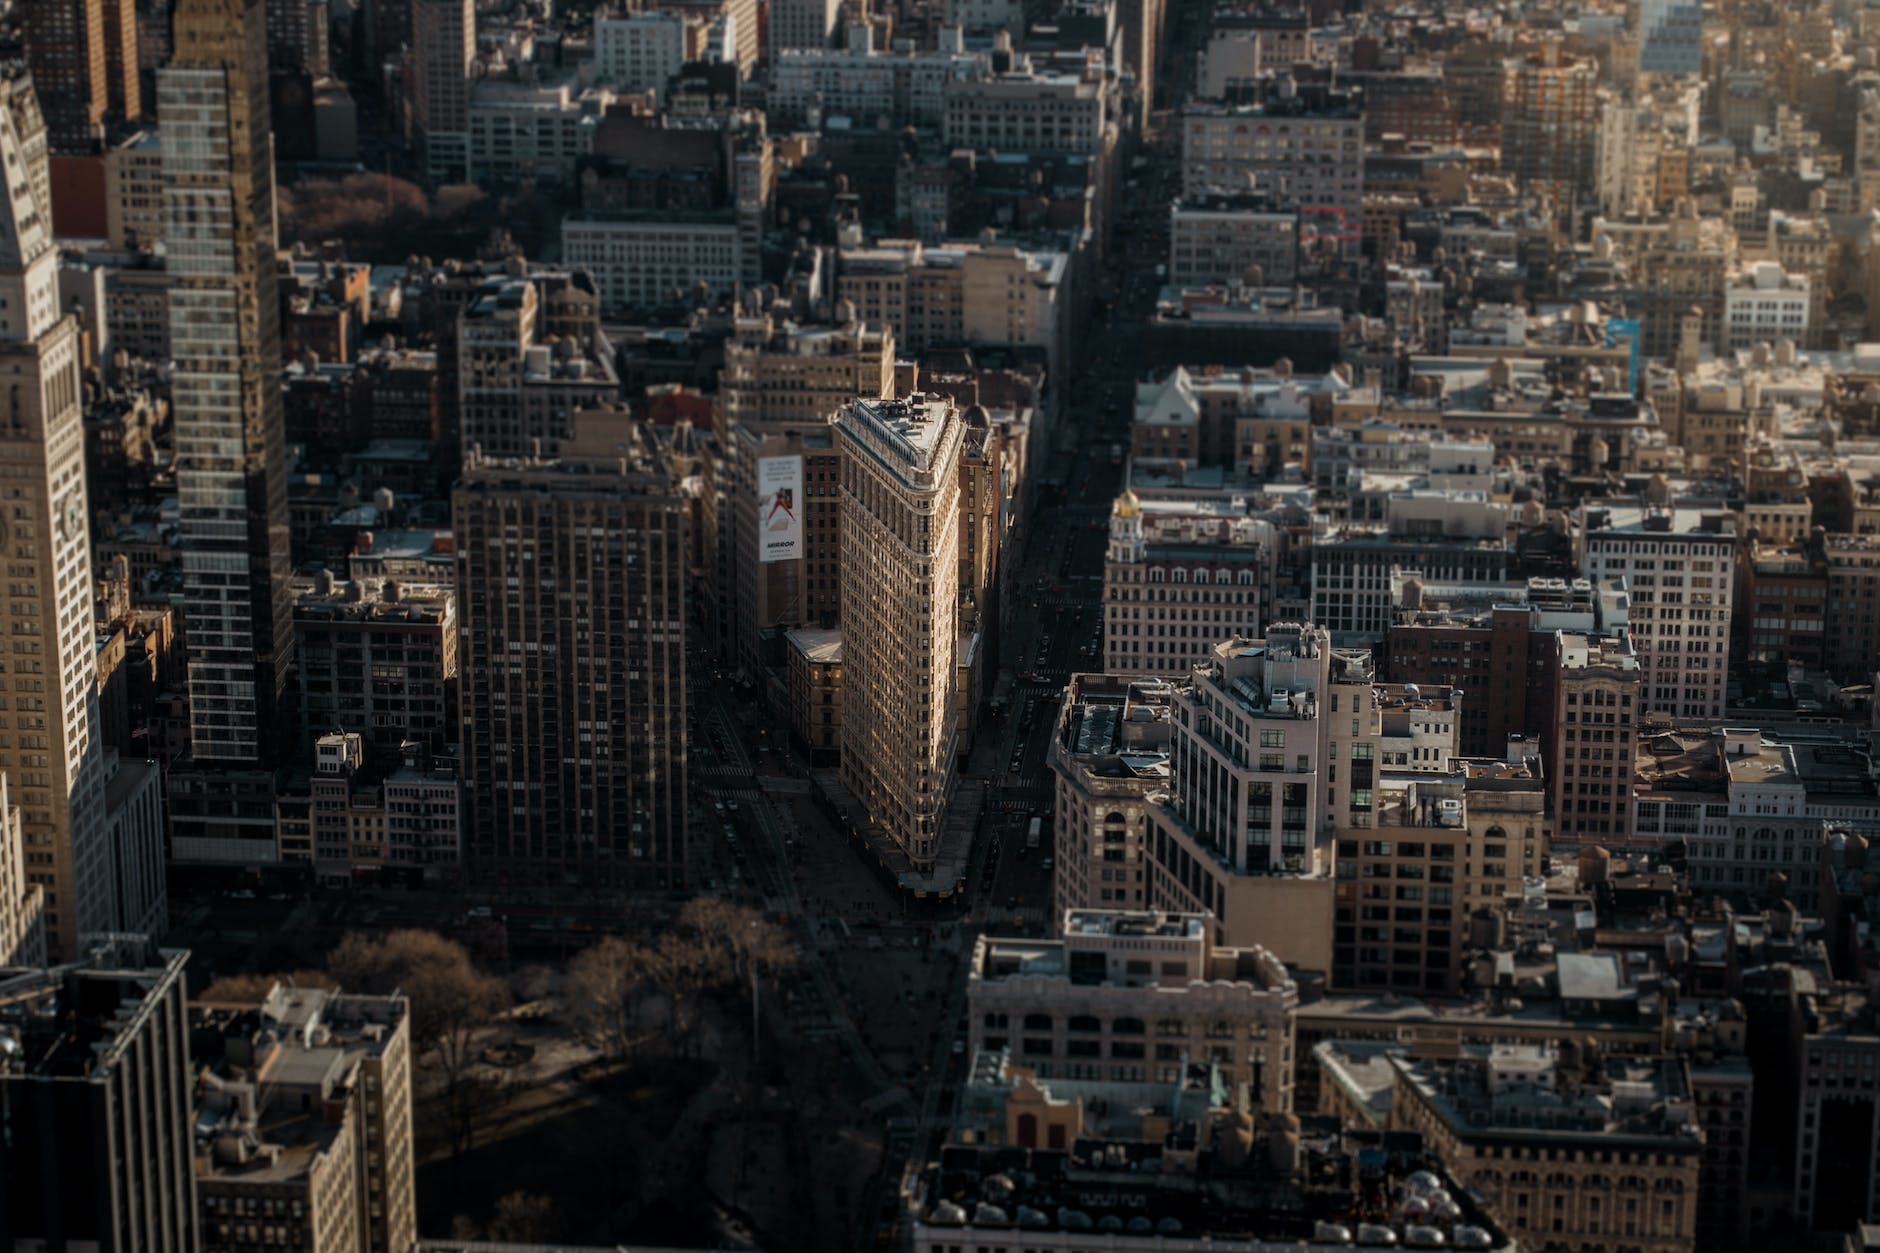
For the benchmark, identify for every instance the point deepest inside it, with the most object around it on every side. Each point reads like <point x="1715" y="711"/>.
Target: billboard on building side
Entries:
<point x="779" y="508"/>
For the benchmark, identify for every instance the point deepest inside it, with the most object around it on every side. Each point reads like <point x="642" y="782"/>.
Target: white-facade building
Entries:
<point x="866" y="84"/>
<point x="522" y="131"/>
<point x="1413" y="306"/>
<point x="1296" y="157"/>
<point x="1216" y="241"/>
<point x="960" y="293"/>
<point x="640" y="260"/>
<point x="1131" y="997"/>
<point x="1765" y="304"/>
<point x="641" y="51"/>
<point x="1678" y="564"/>
<point x="1033" y="111"/>
<point x="1231" y="61"/>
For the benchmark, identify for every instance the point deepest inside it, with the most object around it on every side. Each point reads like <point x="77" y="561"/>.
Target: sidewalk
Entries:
<point x="951" y="861"/>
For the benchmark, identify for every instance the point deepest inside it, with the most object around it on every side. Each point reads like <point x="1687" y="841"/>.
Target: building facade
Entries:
<point x="1043" y="112"/>
<point x="1132" y="997"/>
<point x="305" y="1100"/>
<point x="83" y="56"/>
<point x="642" y="51"/>
<point x="1574" y="1151"/>
<point x="1299" y="148"/>
<point x="225" y="338"/>
<point x="350" y="826"/>
<point x="798" y="376"/>
<point x="1109" y="751"/>
<point x="100" y="1135"/>
<point x="1765" y="304"/>
<point x="1670" y="37"/>
<point x="574" y="704"/>
<point x="1180" y="575"/>
<point x="1241" y="832"/>
<point x="530" y="356"/>
<point x="1597" y="706"/>
<point x="900" y="550"/>
<point x="1678" y="563"/>
<point x="990" y="294"/>
<point x="442" y="61"/>
<point x="529" y="131"/>
<point x="640" y="259"/>
<point x="1550" y="124"/>
<point x="1440" y="849"/>
<point x="807" y="24"/>
<point x="22" y="904"/>
<point x="1853" y="605"/>
<point x="379" y="661"/>
<point x="52" y="755"/>
<point x="1230" y="241"/>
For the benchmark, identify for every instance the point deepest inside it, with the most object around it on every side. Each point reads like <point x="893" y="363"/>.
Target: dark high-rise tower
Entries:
<point x="83" y="55"/>
<point x="218" y="176"/>
<point x="571" y="592"/>
<point x="94" y="1079"/>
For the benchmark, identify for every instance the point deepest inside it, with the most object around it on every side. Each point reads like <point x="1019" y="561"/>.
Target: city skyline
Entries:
<point x="1079" y="626"/>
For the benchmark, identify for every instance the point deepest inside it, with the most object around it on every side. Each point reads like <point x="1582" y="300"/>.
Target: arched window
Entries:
<point x="1087" y="1023"/>
<point x="1127" y="1026"/>
<point x="1037" y="1022"/>
<point x="1114" y="818"/>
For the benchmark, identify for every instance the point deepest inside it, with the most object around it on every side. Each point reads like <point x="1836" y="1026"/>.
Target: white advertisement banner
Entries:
<point x="779" y="508"/>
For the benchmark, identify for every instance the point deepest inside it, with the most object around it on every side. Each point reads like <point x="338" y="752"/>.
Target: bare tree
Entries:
<point x="470" y="1101"/>
<point x="677" y="966"/>
<point x="524" y="1217"/>
<point x="521" y="1217"/>
<point x="606" y="986"/>
<point x="738" y="942"/>
<point x="244" y="989"/>
<point x="451" y="1000"/>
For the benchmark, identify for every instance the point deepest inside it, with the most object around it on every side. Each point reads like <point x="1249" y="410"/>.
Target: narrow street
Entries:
<point x="889" y="990"/>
